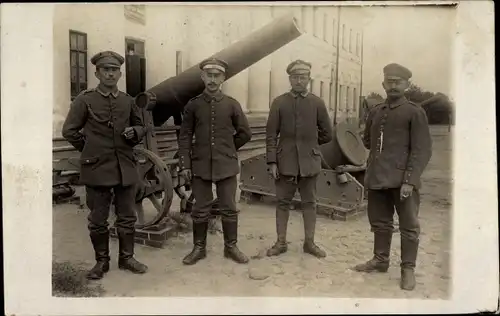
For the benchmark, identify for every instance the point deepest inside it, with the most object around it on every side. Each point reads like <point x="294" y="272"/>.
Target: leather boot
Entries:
<point x="281" y="227"/>
<point x="200" y="243"/>
<point x="309" y="216"/>
<point x="126" y="260"/>
<point x="100" y="242"/>
<point x="231" y="251"/>
<point x="381" y="251"/>
<point x="409" y="250"/>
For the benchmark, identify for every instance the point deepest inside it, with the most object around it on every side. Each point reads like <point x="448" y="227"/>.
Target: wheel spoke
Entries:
<point x="146" y="167"/>
<point x="158" y="187"/>
<point x="156" y="203"/>
<point x="140" y="212"/>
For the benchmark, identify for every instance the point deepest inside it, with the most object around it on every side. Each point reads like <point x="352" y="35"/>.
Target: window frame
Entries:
<point x="350" y="40"/>
<point x="334" y="37"/>
<point x="80" y="86"/>
<point x="343" y="37"/>
<point x="357" y="44"/>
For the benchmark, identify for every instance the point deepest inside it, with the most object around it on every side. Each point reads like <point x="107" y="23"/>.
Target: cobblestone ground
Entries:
<point x="292" y="274"/>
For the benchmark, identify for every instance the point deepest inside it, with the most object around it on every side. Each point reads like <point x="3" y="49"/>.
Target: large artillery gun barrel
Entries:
<point x="169" y="97"/>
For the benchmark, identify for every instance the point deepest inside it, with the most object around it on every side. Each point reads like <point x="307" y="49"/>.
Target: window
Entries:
<point x="333" y="33"/>
<point x="270" y="88"/>
<point x="348" y="99"/>
<point x="78" y="62"/>
<point x="325" y="20"/>
<point x="350" y="41"/>
<point x="343" y="36"/>
<point x="270" y="97"/>
<point x="321" y="92"/>
<point x="357" y="44"/>
<point x="134" y="47"/>
<point x="330" y="94"/>
<point x="355" y="99"/>
<point x="315" y="28"/>
<point x="341" y="98"/>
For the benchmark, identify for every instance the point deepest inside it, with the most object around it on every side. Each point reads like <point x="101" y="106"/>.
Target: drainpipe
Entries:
<point x="337" y="70"/>
<point x="361" y="75"/>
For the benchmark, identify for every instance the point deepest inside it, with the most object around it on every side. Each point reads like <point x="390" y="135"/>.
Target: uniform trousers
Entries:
<point x="381" y="206"/>
<point x="99" y="200"/>
<point x="226" y="194"/>
<point x="286" y="186"/>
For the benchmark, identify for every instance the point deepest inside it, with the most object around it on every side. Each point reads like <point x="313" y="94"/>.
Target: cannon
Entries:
<point x="159" y="174"/>
<point x="340" y="193"/>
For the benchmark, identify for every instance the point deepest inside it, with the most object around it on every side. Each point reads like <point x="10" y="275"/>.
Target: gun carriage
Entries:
<point x="340" y="193"/>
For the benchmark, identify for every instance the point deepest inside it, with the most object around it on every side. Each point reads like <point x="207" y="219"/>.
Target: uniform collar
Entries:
<point x="397" y="102"/>
<point x="107" y="94"/>
<point x="302" y="94"/>
<point x="209" y="97"/>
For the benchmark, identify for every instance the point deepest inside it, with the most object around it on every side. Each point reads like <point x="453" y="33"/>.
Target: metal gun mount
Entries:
<point x="340" y="194"/>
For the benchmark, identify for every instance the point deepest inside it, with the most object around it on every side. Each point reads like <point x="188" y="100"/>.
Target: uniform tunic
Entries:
<point x="399" y="140"/>
<point x="302" y="123"/>
<point x="220" y="128"/>
<point x="107" y="158"/>
<point x="400" y="145"/>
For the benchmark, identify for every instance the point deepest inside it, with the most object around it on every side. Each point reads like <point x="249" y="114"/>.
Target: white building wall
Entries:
<point x="90" y="19"/>
<point x="349" y="64"/>
<point x="198" y="32"/>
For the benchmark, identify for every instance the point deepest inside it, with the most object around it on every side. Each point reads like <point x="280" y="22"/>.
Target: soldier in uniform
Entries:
<point x="112" y="126"/>
<point x="397" y="135"/>
<point x="301" y="120"/>
<point x="220" y="128"/>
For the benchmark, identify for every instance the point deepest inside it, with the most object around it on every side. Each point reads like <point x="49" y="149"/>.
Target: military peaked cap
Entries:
<point x="107" y="59"/>
<point x="298" y="67"/>
<point x="397" y="70"/>
<point x="214" y="63"/>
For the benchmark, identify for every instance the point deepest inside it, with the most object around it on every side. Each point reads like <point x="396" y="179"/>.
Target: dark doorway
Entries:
<point x="135" y="68"/>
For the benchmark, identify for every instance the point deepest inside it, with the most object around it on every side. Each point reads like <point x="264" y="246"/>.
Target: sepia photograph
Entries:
<point x="272" y="150"/>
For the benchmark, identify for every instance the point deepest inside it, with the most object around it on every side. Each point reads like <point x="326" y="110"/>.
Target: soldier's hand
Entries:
<point x="129" y="132"/>
<point x="186" y="174"/>
<point x="406" y="191"/>
<point x="273" y="171"/>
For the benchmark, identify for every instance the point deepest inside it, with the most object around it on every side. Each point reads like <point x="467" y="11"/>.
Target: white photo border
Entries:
<point x="26" y="120"/>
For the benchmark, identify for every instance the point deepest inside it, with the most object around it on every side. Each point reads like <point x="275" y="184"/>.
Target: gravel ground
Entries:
<point x="292" y="274"/>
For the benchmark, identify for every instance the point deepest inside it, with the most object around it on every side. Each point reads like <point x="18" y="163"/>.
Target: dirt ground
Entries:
<point x="292" y="274"/>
